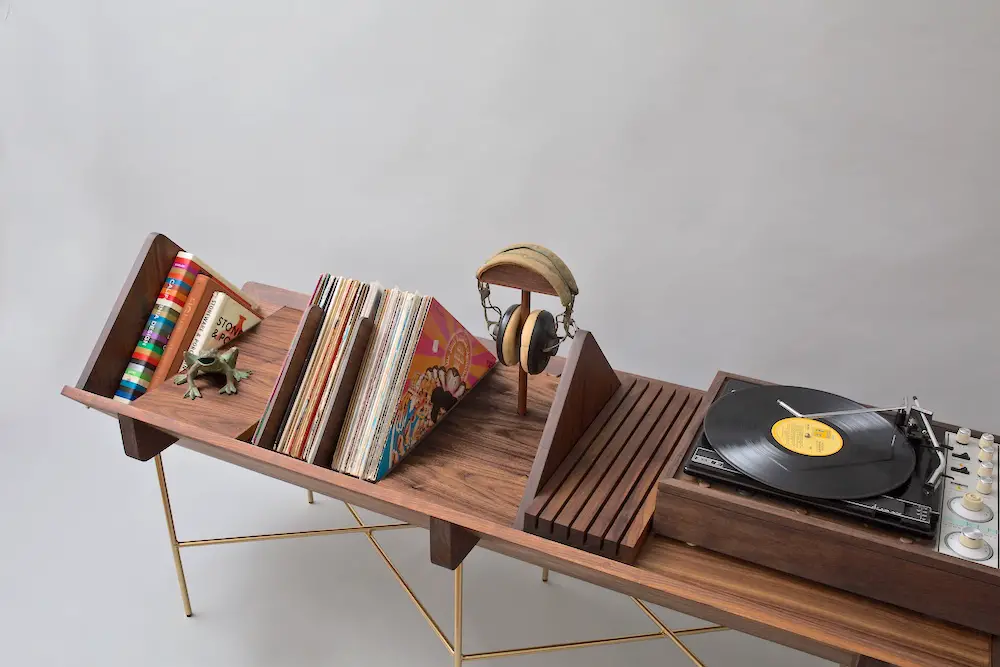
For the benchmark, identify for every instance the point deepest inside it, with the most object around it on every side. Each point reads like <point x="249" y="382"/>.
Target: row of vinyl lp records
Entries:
<point x="369" y="372"/>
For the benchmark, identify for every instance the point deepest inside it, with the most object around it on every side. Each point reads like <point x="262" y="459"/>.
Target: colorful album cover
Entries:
<point x="447" y="363"/>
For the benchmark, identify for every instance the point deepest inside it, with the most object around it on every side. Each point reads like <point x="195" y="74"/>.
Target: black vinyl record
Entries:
<point x="840" y="457"/>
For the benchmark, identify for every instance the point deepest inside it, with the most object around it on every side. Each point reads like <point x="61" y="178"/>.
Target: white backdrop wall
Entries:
<point x="802" y="191"/>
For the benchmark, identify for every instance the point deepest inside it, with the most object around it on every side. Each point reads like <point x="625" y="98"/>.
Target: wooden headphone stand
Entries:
<point x="527" y="281"/>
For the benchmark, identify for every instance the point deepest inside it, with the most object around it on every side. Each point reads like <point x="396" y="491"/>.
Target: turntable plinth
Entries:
<point x="821" y="546"/>
<point x="600" y="493"/>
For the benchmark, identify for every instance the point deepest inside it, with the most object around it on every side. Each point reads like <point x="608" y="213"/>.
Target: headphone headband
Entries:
<point x="540" y="260"/>
<point x="553" y="259"/>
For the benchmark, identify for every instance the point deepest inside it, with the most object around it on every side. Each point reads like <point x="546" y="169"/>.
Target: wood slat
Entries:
<point x="631" y="464"/>
<point x="642" y="487"/>
<point x="595" y="472"/>
<point x="591" y="452"/>
<point x="618" y="460"/>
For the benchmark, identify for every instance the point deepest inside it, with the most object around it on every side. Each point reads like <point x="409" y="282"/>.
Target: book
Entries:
<point x="166" y="310"/>
<point x="419" y="364"/>
<point x="141" y="373"/>
<point x="224" y="320"/>
<point x="184" y="329"/>
<point x="230" y="288"/>
<point x="188" y="323"/>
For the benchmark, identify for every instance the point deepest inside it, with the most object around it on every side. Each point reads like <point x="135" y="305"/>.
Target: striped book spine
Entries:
<point x="166" y="311"/>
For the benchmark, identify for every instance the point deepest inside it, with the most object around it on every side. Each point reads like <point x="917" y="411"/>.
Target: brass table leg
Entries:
<point x="457" y="639"/>
<point x="309" y="496"/>
<point x="165" y="497"/>
<point x="454" y="647"/>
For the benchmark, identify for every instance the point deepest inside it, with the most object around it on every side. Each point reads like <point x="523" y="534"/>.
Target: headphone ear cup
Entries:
<point x="539" y="341"/>
<point x="509" y="335"/>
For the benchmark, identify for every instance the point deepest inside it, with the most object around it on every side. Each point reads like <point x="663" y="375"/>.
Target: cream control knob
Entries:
<point x="985" y="469"/>
<point x="985" y="440"/>
<point x="963" y="436"/>
<point x="987" y="453"/>
<point x="971" y="538"/>
<point x="985" y="485"/>
<point x="972" y="502"/>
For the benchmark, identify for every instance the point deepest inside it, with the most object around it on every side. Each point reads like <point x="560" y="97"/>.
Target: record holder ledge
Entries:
<point x="471" y="473"/>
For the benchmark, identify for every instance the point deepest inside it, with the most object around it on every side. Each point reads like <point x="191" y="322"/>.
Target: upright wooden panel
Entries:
<point x="586" y="385"/>
<point x="116" y="342"/>
<point x="301" y="342"/>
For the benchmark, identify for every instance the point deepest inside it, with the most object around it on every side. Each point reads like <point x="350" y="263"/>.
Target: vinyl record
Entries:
<point x="841" y="457"/>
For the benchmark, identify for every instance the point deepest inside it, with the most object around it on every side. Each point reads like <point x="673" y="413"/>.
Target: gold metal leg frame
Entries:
<point x="454" y="647"/>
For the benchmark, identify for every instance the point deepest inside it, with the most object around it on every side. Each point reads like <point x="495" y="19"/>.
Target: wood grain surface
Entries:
<point x="518" y="278"/>
<point x="483" y="452"/>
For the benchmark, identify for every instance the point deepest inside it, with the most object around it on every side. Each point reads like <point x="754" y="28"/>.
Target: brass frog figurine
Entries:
<point x="208" y="363"/>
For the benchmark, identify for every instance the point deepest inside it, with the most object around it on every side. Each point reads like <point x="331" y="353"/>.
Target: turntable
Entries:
<point x="884" y="502"/>
<point x="825" y="451"/>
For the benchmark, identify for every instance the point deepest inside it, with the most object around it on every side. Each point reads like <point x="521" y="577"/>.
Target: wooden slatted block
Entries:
<point x="585" y="453"/>
<point x="602" y="487"/>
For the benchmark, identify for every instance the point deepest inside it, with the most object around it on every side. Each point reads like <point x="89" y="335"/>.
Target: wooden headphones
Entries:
<point x="530" y="339"/>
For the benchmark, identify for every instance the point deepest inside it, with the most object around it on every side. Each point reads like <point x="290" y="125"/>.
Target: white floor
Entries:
<point x="86" y="576"/>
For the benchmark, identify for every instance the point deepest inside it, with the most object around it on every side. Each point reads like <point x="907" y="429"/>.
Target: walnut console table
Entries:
<point x="465" y="483"/>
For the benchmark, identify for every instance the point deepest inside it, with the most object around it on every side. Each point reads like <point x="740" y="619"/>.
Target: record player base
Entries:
<point x="820" y="546"/>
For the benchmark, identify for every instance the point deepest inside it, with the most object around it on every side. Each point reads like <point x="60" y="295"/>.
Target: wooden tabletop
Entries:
<point x="471" y="471"/>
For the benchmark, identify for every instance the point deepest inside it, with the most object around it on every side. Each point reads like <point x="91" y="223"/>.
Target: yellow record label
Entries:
<point x="807" y="436"/>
